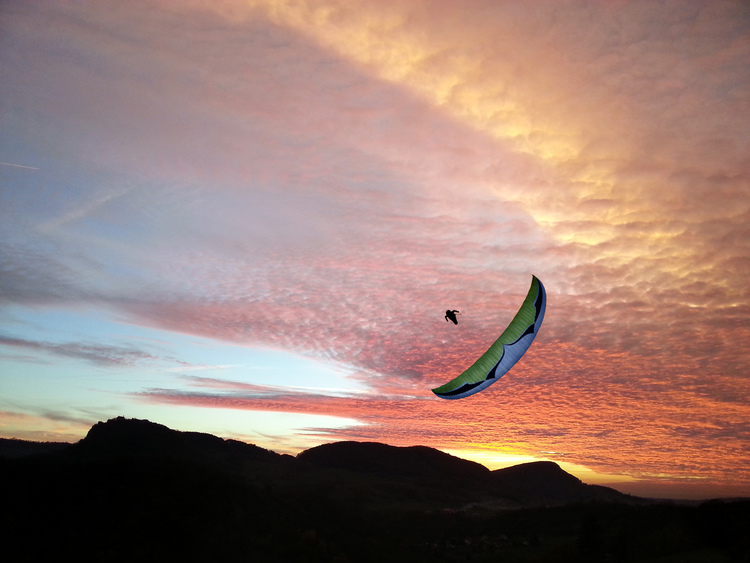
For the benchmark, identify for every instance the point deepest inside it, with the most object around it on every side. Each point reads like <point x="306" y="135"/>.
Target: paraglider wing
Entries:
<point x="506" y="350"/>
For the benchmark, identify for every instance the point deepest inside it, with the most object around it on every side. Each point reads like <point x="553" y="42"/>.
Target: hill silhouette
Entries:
<point x="382" y="459"/>
<point x="133" y="438"/>
<point x="133" y="490"/>
<point x="443" y="477"/>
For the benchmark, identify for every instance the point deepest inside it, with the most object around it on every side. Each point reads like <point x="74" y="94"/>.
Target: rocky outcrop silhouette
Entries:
<point x="133" y="438"/>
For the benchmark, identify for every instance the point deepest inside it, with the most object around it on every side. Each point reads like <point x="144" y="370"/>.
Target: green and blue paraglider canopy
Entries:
<point x="505" y="352"/>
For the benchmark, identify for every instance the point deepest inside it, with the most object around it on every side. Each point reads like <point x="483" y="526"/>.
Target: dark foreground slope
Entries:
<point x="137" y="491"/>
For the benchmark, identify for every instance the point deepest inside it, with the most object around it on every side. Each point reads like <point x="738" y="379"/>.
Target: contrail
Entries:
<point x="19" y="166"/>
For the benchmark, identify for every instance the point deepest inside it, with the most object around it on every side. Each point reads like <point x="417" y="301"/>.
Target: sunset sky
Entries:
<point x="249" y="217"/>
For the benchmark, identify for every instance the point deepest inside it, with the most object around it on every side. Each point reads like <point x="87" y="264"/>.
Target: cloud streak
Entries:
<point x="103" y="355"/>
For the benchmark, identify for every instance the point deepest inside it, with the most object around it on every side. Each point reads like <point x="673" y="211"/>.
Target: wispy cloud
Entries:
<point x="43" y="426"/>
<point x="18" y="166"/>
<point x="100" y="354"/>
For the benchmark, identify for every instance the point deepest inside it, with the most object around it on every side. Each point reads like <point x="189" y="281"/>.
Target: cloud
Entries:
<point x="99" y="354"/>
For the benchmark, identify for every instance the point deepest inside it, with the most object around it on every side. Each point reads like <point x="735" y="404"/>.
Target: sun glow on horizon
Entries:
<point x="496" y="460"/>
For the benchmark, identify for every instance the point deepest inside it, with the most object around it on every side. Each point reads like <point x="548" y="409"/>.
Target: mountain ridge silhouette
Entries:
<point x="134" y="490"/>
<point x="535" y="483"/>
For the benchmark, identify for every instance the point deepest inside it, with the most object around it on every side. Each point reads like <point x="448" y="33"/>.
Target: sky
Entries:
<point x="248" y="218"/>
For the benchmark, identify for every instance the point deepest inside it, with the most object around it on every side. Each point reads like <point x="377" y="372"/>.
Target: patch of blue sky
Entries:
<point x="125" y="347"/>
<point x="91" y="365"/>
